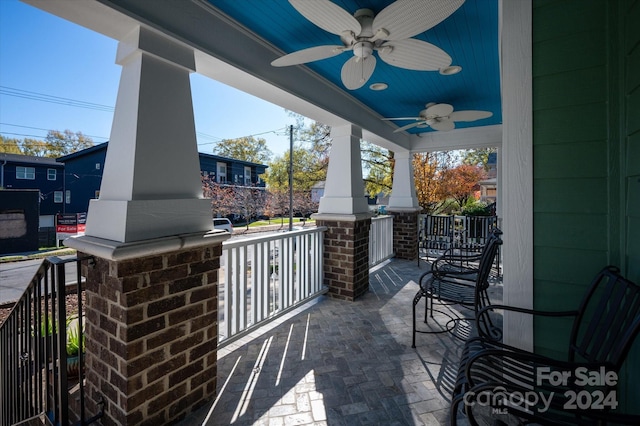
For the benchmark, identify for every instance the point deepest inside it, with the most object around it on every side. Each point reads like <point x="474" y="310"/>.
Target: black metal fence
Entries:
<point x="465" y="233"/>
<point x="37" y="381"/>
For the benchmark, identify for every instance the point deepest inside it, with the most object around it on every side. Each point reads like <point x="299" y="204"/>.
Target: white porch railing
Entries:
<point x="380" y="239"/>
<point x="266" y="276"/>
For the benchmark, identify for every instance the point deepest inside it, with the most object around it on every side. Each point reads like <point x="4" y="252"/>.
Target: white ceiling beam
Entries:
<point x="468" y="138"/>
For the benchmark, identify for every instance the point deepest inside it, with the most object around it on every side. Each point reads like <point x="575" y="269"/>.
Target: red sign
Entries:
<point x="70" y="224"/>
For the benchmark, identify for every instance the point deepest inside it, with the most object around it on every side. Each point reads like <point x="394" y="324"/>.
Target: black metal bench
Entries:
<point x="457" y="278"/>
<point x="508" y="385"/>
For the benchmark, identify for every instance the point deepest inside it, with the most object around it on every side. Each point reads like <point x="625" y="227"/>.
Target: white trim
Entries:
<point x="114" y="250"/>
<point x="517" y="165"/>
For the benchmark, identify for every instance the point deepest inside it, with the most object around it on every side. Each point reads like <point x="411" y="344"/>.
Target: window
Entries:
<point x="222" y="172"/>
<point x="51" y="174"/>
<point x="97" y="166"/>
<point x="67" y="196"/>
<point x="25" y="173"/>
<point x="247" y="176"/>
<point x="57" y="196"/>
<point x="96" y="194"/>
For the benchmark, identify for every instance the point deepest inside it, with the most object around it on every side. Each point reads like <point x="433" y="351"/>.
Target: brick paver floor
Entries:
<point x="341" y="363"/>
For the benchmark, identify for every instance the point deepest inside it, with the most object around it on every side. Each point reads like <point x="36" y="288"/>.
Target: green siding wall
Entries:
<point x="586" y="102"/>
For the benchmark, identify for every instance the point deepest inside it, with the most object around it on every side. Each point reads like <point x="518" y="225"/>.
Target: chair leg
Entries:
<point x="416" y="300"/>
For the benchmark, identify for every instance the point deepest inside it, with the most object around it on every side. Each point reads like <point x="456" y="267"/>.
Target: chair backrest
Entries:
<point x="487" y="257"/>
<point x="608" y="320"/>
<point x="438" y="226"/>
<point x="481" y="299"/>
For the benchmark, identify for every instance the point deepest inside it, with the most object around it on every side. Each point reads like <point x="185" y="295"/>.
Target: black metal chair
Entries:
<point x="458" y="278"/>
<point x="508" y="385"/>
<point x="437" y="234"/>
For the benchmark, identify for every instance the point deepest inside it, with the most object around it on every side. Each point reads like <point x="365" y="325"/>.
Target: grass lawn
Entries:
<point x="273" y="221"/>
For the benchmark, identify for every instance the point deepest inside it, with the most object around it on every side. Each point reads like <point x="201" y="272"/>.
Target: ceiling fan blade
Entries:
<point x="439" y="110"/>
<point x="308" y="55"/>
<point x="470" y="115"/>
<point x="327" y="15"/>
<point x="443" y="125"/>
<point x="357" y="71"/>
<point x="414" y="54"/>
<point x="409" y="126"/>
<point x="406" y="18"/>
<point x="402" y="118"/>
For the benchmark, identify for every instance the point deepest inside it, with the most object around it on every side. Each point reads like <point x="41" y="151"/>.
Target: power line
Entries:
<point x="40" y="128"/>
<point x="43" y="97"/>
<point x="278" y="132"/>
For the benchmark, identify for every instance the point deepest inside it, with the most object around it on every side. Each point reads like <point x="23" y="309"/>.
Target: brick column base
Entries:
<point x="152" y="332"/>
<point x="346" y="257"/>
<point x="405" y="234"/>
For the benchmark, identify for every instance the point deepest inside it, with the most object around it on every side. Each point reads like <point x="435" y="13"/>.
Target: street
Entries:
<point x="15" y="276"/>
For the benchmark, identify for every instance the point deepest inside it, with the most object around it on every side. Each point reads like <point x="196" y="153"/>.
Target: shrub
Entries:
<point x="476" y="209"/>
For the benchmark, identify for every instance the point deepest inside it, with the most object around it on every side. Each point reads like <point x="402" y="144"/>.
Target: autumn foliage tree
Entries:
<point x="460" y="181"/>
<point x="428" y="169"/>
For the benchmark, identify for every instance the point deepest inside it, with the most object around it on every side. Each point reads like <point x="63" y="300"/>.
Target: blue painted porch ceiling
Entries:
<point x="469" y="36"/>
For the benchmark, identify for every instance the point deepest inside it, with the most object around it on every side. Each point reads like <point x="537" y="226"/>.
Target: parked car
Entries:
<point x="223" y="223"/>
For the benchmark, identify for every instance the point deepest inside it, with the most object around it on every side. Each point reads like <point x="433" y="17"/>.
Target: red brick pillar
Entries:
<point x="346" y="254"/>
<point x="152" y="332"/>
<point x="405" y="233"/>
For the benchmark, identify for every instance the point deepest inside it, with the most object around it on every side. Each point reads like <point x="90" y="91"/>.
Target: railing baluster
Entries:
<point x="280" y="271"/>
<point x="33" y="368"/>
<point x="380" y="239"/>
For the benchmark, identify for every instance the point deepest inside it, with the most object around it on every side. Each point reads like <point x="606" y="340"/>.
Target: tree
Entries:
<point x="428" y="171"/>
<point x="306" y="172"/>
<point x="379" y="164"/>
<point x="304" y="204"/>
<point x="56" y="144"/>
<point x="460" y="181"/>
<point x="67" y="142"/>
<point x="477" y="157"/>
<point x="245" y="149"/>
<point x="250" y="201"/>
<point x="277" y="205"/>
<point x="10" y="146"/>
<point x="222" y="197"/>
<point x="36" y="148"/>
<point x="316" y="137"/>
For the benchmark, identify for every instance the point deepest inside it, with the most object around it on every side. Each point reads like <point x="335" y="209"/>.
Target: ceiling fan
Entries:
<point x="389" y="33"/>
<point x="440" y="117"/>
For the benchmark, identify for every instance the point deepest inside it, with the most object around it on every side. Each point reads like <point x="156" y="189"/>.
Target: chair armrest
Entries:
<point x="527" y="311"/>
<point x="482" y="318"/>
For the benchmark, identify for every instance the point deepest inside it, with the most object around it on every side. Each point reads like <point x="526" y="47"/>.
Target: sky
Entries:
<point x="56" y="75"/>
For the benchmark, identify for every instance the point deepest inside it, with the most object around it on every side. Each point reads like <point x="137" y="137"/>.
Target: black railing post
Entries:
<point x="62" y="384"/>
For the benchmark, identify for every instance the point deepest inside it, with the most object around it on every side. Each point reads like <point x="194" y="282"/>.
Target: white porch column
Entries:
<point x="344" y="188"/>
<point x="151" y="183"/>
<point x="403" y="193"/>
<point x="344" y="211"/>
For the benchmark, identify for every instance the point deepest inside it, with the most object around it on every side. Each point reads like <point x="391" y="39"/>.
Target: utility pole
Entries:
<point x="291" y="177"/>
